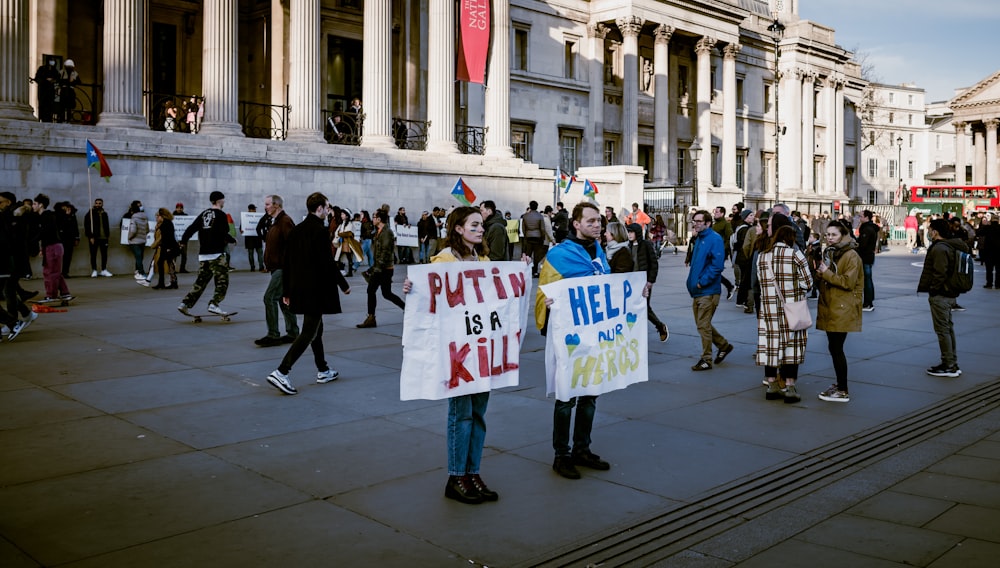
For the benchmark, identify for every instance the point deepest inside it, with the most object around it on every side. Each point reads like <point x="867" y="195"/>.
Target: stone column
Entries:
<point x="791" y="140"/>
<point x="220" y="71"/>
<point x="498" y="85"/>
<point x="978" y="157"/>
<point x="808" y="131"/>
<point x="276" y="45"/>
<point x="960" y="177"/>
<point x="595" y="126"/>
<point x="729" y="116"/>
<point x="304" y="81"/>
<point x="123" y="59"/>
<point x="704" y="50"/>
<point x="376" y="88"/>
<point x="14" y="36"/>
<point x="838" y="104"/>
<point x="440" y="77"/>
<point x="992" y="173"/>
<point x="661" y="103"/>
<point x="630" y="26"/>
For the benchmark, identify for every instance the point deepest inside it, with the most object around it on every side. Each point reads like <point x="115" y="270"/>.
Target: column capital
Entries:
<point x="597" y="31"/>
<point x="991" y="124"/>
<point x="960" y="127"/>
<point x="731" y="50"/>
<point x="663" y="33"/>
<point x="704" y="45"/>
<point x="629" y="26"/>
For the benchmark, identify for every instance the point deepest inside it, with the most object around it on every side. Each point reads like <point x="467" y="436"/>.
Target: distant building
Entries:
<point x="976" y="115"/>
<point x="894" y="145"/>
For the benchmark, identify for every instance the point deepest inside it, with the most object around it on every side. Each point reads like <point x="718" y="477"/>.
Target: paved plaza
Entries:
<point x="132" y="436"/>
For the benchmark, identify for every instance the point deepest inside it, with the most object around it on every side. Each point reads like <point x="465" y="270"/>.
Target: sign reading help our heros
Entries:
<point x="597" y="339"/>
<point x="462" y="328"/>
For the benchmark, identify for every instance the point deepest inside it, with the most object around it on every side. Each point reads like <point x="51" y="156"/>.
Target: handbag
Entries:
<point x="797" y="315"/>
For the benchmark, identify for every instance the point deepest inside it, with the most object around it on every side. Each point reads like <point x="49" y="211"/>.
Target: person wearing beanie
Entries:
<point x="941" y="298"/>
<point x="212" y="226"/>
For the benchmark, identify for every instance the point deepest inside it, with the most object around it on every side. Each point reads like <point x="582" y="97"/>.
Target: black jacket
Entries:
<point x="310" y="277"/>
<point x="867" y="242"/>
<point x="937" y="263"/>
<point x="645" y="259"/>
<point x="101" y="228"/>
<point x="212" y="226"/>
<point x="496" y="237"/>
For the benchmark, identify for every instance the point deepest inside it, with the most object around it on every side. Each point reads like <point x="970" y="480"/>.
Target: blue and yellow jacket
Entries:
<point x="568" y="259"/>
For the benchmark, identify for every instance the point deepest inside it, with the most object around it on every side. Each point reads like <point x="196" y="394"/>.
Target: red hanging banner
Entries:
<point x="474" y="40"/>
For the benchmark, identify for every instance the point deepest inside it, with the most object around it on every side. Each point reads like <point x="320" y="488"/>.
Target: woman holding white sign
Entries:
<point x="466" y="413"/>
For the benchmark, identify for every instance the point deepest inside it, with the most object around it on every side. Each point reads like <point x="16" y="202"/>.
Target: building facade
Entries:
<point x="614" y="91"/>
<point x="976" y="116"/>
<point x="895" y="142"/>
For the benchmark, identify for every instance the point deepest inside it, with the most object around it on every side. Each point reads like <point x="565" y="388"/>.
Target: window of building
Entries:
<point x="681" y="170"/>
<point x="519" y="61"/>
<point x="909" y="169"/>
<point x="767" y="171"/>
<point x="816" y="103"/>
<point x="872" y="168"/>
<point x="909" y="100"/>
<point x="937" y="165"/>
<point x="768" y="97"/>
<point x="872" y="197"/>
<point x="645" y="161"/>
<point x="521" y="135"/>
<point x="892" y="98"/>
<point x="739" y="92"/>
<point x="716" y="167"/>
<point x="682" y="81"/>
<point x="569" y="145"/>
<point x="911" y="140"/>
<point x="892" y="169"/>
<point x="611" y="73"/>
<point x="892" y="117"/>
<point x="569" y="59"/>
<point x="909" y="119"/>
<point x="740" y="161"/>
<point x="715" y="78"/>
<point x="610" y="150"/>
<point x="849" y="180"/>
<point x="871" y="138"/>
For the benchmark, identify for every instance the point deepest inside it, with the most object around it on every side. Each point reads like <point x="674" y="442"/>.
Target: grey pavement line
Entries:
<point x="669" y="532"/>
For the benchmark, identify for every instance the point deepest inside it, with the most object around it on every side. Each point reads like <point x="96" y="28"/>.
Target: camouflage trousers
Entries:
<point x="209" y="269"/>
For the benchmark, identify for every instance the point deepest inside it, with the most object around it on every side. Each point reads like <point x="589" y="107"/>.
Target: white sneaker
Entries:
<point x="142" y="282"/>
<point x="326" y="376"/>
<point x="139" y="275"/>
<point x="93" y="274"/>
<point x="21" y="325"/>
<point x="106" y="273"/>
<point x="279" y="381"/>
<point x="184" y="309"/>
<point x="213" y="309"/>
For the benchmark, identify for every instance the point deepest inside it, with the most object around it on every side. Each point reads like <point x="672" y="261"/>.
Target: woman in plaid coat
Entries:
<point x="781" y="267"/>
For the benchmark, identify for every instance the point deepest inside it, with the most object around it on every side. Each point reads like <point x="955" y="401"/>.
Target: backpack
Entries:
<point x="736" y="240"/>
<point x="960" y="272"/>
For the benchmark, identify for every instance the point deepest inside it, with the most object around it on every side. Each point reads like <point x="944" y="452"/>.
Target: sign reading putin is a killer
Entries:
<point x="462" y="328"/>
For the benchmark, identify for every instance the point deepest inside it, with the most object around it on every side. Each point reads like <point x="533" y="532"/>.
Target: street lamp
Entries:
<point x="777" y="30"/>
<point x="694" y="151"/>
<point x="899" y="163"/>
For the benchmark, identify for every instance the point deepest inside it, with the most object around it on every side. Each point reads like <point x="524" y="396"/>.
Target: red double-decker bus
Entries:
<point x="955" y="198"/>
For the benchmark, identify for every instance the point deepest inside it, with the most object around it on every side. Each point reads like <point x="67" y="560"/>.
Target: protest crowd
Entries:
<point x="778" y="262"/>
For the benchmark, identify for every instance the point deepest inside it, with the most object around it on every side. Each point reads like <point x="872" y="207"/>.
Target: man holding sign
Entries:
<point x="578" y="256"/>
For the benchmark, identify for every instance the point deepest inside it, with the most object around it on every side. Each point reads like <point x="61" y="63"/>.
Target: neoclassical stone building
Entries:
<point x="976" y="111"/>
<point x="615" y="91"/>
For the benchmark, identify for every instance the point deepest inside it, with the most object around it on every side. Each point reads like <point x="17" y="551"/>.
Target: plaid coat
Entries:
<point x="787" y="268"/>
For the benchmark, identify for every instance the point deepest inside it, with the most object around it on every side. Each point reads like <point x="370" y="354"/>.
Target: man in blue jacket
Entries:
<point x="704" y="283"/>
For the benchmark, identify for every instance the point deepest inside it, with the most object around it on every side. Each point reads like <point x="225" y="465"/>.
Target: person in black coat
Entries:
<point x="867" y="243"/>
<point x="309" y="278"/>
<point x="645" y="259"/>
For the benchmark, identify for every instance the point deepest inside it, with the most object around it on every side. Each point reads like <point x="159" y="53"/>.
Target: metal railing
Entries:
<point x="470" y="139"/>
<point x="261" y="120"/>
<point x="343" y="127"/>
<point x="87" y="98"/>
<point x="410" y="134"/>
<point x="159" y="116"/>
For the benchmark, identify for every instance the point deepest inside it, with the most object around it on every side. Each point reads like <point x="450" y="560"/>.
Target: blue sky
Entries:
<point x="939" y="45"/>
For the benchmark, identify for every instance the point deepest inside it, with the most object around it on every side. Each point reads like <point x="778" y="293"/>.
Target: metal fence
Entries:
<point x="470" y="139"/>
<point x="168" y="112"/>
<point x="262" y="120"/>
<point x="410" y="134"/>
<point x="343" y="127"/>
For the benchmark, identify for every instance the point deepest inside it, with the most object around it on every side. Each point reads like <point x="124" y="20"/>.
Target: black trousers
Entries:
<point x="383" y="280"/>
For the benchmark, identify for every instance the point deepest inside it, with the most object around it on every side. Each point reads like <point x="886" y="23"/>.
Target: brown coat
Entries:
<point x="784" y="268"/>
<point x="840" y="290"/>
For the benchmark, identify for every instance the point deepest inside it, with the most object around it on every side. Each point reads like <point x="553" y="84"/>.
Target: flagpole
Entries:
<point x="90" y="201"/>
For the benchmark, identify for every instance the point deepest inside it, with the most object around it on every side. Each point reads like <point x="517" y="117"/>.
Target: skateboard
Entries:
<point x="53" y="301"/>
<point x="198" y="317"/>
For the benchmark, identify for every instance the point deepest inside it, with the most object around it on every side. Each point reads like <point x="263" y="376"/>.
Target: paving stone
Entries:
<point x="970" y="553"/>
<point x="912" y="510"/>
<point x="969" y="520"/>
<point x="889" y="541"/>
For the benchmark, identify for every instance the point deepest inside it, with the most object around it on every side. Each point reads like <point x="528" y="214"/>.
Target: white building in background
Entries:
<point x="613" y="91"/>
<point x="895" y="143"/>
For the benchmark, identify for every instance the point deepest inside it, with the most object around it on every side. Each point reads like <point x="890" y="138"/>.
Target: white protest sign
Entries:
<point x="181" y="223"/>
<point x="597" y="339"/>
<point x="406" y="235"/>
<point x="248" y="223"/>
<point x="462" y="328"/>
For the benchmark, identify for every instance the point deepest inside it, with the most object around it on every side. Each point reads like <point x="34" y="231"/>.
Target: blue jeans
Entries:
<point x="466" y="432"/>
<point x="581" y="432"/>
<point x="944" y="328"/>
<point x="425" y="251"/>
<point x="138" y="251"/>
<point x="366" y="250"/>
<point x="869" y="293"/>
<point x="272" y="303"/>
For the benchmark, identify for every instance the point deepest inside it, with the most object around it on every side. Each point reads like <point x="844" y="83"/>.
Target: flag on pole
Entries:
<point x="95" y="159"/>
<point x="589" y="189"/>
<point x="463" y="193"/>
<point x="564" y="180"/>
